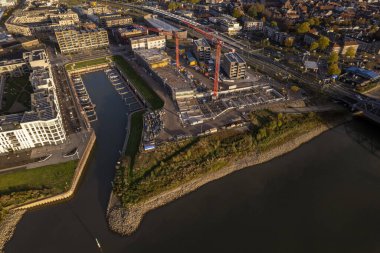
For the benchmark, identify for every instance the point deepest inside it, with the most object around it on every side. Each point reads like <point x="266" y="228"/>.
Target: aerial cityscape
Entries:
<point x="189" y="126"/>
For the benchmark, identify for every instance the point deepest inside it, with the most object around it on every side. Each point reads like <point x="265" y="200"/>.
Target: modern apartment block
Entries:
<point x="234" y="66"/>
<point x="111" y="20"/>
<point x="148" y="42"/>
<point x="202" y="50"/>
<point x="42" y="125"/>
<point x="39" y="21"/>
<point x="71" y="40"/>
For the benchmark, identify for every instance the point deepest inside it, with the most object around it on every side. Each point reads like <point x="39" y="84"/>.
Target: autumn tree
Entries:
<point x="334" y="69"/>
<point x="351" y="52"/>
<point x="323" y="42"/>
<point x="314" y="46"/>
<point x="303" y="28"/>
<point x="237" y="12"/>
<point x="333" y="58"/>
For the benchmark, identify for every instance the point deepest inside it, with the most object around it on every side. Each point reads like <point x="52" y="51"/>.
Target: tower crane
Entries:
<point x="170" y="33"/>
<point x="219" y="45"/>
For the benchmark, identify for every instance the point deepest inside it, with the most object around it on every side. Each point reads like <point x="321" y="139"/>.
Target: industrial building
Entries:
<point x="71" y="40"/>
<point x="202" y="50"/>
<point x="42" y="125"/>
<point x="234" y="66"/>
<point x="148" y="42"/>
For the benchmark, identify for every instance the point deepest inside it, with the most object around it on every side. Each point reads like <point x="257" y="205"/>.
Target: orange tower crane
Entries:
<point x="219" y="45"/>
<point x="170" y="33"/>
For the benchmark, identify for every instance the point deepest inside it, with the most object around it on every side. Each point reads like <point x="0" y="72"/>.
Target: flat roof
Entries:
<point x="201" y="43"/>
<point x="234" y="57"/>
<point x="159" y="24"/>
<point x="173" y="78"/>
<point x="365" y="73"/>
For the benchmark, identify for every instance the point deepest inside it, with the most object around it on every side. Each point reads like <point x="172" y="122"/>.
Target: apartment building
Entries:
<point x="113" y="20"/>
<point x="202" y="50"/>
<point x="234" y="66"/>
<point x="42" y="125"/>
<point x="148" y="42"/>
<point x="41" y="20"/>
<point x="72" y="40"/>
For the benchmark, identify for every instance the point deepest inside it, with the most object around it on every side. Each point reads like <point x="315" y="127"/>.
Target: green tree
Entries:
<point x="237" y="12"/>
<point x="252" y="11"/>
<point x="333" y="58"/>
<point x="303" y="28"/>
<point x="314" y="46"/>
<point x="351" y="52"/>
<point x="273" y="24"/>
<point x="334" y="69"/>
<point x="323" y="42"/>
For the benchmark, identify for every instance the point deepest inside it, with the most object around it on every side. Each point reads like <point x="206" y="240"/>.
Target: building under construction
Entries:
<point x="202" y="50"/>
<point x="234" y="66"/>
<point x="152" y="58"/>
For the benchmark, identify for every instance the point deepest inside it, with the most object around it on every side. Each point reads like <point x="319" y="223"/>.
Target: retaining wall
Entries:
<point x="78" y="173"/>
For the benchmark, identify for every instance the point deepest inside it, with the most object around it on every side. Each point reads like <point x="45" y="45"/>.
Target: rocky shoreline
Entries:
<point x="8" y="225"/>
<point x="125" y="221"/>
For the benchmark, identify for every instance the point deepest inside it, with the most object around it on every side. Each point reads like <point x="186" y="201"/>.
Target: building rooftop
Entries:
<point x="201" y="43"/>
<point x="365" y="73"/>
<point x="152" y="55"/>
<point x="234" y="57"/>
<point x="159" y="24"/>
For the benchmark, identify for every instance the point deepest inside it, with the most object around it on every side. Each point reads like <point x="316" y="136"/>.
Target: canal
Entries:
<point x="322" y="197"/>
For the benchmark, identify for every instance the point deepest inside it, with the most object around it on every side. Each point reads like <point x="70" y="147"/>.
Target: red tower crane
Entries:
<point x="170" y="33"/>
<point x="219" y="45"/>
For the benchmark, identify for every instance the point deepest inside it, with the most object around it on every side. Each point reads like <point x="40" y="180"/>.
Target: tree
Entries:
<point x="237" y="12"/>
<point x="323" y="42"/>
<point x="314" y="45"/>
<point x="252" y="11"/>
<point x="172" y="6"/>
<point x="289" y="42"/>
<point x="273" y="24"/>
<point x="333" y="58"/>
<point x="351" y="52"/>
<point x="303" y="28"/>
<point x="333" y="69"/>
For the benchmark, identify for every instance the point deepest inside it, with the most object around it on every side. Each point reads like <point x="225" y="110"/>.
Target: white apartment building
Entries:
<point x="148" y="42"/>
<point x="42" y="125"/>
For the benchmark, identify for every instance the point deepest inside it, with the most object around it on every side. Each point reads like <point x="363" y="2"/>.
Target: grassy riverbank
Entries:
<point x="24" y="186"/>
<point x="174" y="164"/>
<point x="139" y="83"/>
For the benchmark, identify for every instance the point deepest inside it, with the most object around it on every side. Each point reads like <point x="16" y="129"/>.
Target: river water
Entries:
<point x="322" y="197"/>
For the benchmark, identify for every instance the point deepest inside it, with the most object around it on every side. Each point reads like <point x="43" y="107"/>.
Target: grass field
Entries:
<point x="145" y="90"/>
<point x="27" y="185"/>
<point x="84" y="64"/>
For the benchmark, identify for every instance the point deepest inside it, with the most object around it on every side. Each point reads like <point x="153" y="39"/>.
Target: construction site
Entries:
<point x="203" y="82"/>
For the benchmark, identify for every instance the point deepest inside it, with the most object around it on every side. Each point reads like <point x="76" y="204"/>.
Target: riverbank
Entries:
<point x="125" y="220"/>
<point x="8" y="224"/>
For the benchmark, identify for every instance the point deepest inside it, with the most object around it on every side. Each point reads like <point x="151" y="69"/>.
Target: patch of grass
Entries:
<point x="27" y="185"/>
<point x="145" y="90"/>
<point x="134" y="136"/>
<point x="84" y="64"/>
